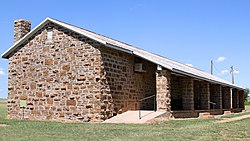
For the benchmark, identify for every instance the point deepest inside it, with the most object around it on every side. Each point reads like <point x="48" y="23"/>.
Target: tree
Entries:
<point x="246" y="93"/>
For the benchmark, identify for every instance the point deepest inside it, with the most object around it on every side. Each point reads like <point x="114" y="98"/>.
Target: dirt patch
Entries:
<point x="233" y="119"/>
<point x="3" y="125"/>
<point x="157" y="120"/>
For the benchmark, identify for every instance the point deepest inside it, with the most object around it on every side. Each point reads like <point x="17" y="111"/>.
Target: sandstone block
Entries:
<point x="69" y="50"/>
<point x="39" y="94"/>
<point x="62" y="73"/>
<point x="48" y="61"/>
<point x="23" y="97"/>
<point x="49" y="79"/>
<point x="32" y="86"/>
<point x="69" y="87"/>
<point x="50" y="101"/>
<point x="61" y="114"/>
<point x="45" y="49"/>
<point x="71" y="103"/>
<point x="35" y="112"/>
<point x="79" y="83"/>
<point x="24" y="58"/>
<point x="66" y="67"/>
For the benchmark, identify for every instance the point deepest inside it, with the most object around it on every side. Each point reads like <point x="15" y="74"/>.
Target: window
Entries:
<point x="49" y="34"/>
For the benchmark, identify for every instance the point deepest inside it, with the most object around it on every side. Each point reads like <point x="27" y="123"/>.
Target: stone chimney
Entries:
<point x="21" y="28"/>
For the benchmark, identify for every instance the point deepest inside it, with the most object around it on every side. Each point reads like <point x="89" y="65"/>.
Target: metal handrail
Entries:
<point x="146" y="98"/>
<point x="214" y="104"/>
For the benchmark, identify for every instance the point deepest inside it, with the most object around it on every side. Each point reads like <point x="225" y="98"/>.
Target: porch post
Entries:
<point x="205" y="95"/>
<point x="188" y="93"/>
<point x="163" y="88"/>
<point x="219" y="97"/>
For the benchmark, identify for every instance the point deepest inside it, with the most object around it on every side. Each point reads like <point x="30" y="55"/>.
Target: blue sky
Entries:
<point x="189" y="31"/>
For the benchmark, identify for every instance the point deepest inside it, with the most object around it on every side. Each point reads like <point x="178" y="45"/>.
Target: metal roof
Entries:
<point x="157" y="59"/>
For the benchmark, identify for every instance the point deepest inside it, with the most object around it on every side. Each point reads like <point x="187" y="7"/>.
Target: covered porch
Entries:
<point x="185" y="96"/>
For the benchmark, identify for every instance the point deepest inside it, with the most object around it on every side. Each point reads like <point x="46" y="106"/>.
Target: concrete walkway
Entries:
<point x="3" y="125"/>
<point x="233" y="119"/>
<point x="133" y="117"/>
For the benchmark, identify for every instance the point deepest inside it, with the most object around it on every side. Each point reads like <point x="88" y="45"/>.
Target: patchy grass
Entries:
<point x="247" y="108"/>
<point x="238" y="114"/>
<point x="176" y="130"/>
<point x="3" y="109"/>
<point x="247" y="102"/>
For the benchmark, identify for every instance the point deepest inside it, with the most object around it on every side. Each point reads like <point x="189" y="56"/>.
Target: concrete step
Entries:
<point x="226" y="113"/>
<point x="133" y="117"/>
<point x="205" y="115"/>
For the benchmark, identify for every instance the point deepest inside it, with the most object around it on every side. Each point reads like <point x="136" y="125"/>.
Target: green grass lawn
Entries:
<point x="3" y="109"/>
<point x="195" y="129"/>
<point x="239" y="114"/>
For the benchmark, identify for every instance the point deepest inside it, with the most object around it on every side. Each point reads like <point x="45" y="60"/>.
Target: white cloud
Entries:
<point x="223" y="72"/>
<point x="221" y="59"/>
<point x="190" y="65"/>
<point x="236" y="72"/>
<point x="1" y="72"/>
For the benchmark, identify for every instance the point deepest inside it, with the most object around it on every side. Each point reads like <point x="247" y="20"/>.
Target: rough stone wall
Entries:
<point x="188" y="93"/>
<point x="59" y="79"/>
<point x="176" y="93"/>
<point x="216" y="95"/>
<point x="21" y="28"/>
<point x="163" y="90"/>
<point x="126" y="85"/>
<point x="205" y="95"/>
<point x="73" y="77"/>
<point x="226" y="98"/>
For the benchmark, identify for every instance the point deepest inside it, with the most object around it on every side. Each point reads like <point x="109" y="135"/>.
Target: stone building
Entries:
<point x="63" y="72"/>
